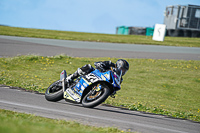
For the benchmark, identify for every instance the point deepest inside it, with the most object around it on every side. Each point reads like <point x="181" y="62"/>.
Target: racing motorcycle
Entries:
<point x="89" y="90"/>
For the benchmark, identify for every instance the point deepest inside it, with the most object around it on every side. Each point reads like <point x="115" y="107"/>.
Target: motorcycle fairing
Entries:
<point x="75" y="93"/>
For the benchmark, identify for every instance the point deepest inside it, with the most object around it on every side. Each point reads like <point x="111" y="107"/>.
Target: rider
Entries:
<point x="121" y="64"/>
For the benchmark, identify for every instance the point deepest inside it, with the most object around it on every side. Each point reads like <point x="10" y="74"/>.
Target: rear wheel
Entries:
<point x="96" y="96"/>
<point x="54" y="92"/>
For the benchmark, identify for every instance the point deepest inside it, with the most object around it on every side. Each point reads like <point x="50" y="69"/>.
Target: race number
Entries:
<point x="91" y="78"/>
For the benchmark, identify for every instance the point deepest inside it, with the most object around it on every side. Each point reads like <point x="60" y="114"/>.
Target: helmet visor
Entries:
<point x="124" y="71"/>
<point x="121" y="71"/>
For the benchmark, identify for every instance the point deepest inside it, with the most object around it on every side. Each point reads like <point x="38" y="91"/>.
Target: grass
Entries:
<point x="169" y="87"/>
<point x="13" y="122"/>
<point x="80" y="36"/>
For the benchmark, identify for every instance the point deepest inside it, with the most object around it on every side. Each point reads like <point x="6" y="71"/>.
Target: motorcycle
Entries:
<point x="89" y="90"/>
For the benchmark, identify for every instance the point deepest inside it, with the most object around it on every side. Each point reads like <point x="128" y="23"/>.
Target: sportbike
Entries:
<point x="89" y="90"/>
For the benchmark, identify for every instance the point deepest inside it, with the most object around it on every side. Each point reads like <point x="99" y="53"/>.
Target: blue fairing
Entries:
<point x="108" y="76"/>
<point x="75" y="93"/>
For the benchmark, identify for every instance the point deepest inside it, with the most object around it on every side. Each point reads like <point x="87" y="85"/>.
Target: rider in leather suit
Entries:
<point x="121" y="64"/>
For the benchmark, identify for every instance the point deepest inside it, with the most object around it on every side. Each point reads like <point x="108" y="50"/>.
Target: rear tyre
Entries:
<point x="96" y="97"/>
<point x="54" y="92"/>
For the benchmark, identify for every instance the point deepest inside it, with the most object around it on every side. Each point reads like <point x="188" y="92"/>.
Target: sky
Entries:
<point x="93" y="16"/>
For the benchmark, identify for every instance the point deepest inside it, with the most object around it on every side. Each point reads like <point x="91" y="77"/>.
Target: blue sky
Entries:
<point x="95" y="16"/>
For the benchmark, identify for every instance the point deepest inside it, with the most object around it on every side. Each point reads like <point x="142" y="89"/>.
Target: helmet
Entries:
<point x="122" y="65"/>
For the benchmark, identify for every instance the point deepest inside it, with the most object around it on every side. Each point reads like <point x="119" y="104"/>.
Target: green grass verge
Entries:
<point x="169" y="87"/>
<point x="80" y="36"/>
<point x="13" y="122"/>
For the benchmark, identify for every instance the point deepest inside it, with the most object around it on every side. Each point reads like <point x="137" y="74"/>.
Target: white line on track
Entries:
<point x="84" y="115"/>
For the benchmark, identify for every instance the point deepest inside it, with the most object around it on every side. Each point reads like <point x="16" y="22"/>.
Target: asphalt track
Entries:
<point x="21" y="101"/>
<point x="17" y="100"/>
<point x="13" y="46"/>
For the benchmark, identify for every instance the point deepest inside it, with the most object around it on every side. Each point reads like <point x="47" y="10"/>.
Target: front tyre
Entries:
<point x="54" y="92"/>
<point x="95" y="96"/>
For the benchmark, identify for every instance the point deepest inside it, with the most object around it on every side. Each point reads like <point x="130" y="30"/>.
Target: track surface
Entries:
<point x="21" y="101"/>
<point x="13" y="46"/>
<point x="13" y="99"/>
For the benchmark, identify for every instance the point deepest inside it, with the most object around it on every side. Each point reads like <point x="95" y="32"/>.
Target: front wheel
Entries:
<point x="96" y="96"/>
<point x="54" y="92"/>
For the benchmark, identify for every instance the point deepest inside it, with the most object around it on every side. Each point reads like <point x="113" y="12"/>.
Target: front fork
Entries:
<point x="63" y="76"/>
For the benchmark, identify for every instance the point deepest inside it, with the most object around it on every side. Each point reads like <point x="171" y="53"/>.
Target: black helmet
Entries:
<point x="122" y="65"/>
